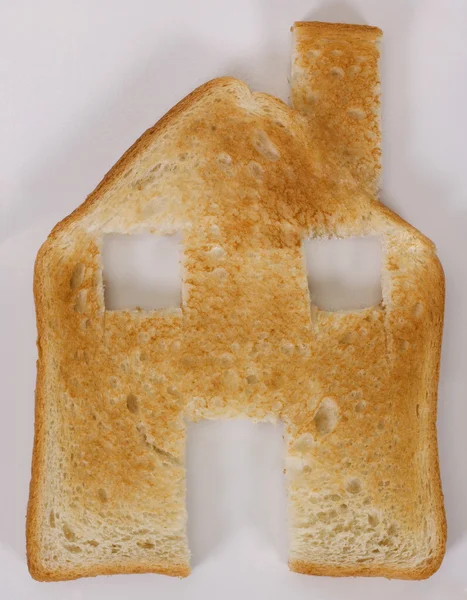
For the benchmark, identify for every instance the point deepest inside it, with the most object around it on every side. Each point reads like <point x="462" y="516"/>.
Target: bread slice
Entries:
<point x="239" y="176"/>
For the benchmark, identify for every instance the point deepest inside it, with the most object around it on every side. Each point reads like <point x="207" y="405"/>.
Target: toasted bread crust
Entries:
<point x="124" y="568"/>
<point x="359" y="570"/>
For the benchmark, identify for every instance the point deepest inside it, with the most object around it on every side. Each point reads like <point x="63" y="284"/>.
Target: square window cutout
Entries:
<point x="142" y="271"/>
<point x="344" y="274"/>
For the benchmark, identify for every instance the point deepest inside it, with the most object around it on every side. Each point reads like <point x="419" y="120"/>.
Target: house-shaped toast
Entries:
<point x="244" y="180"/>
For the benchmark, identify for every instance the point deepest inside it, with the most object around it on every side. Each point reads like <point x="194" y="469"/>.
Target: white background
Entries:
<point x="79" y="82"/>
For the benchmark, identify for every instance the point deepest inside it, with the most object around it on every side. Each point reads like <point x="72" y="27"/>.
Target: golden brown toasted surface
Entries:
<point x="336" y="83"/>
<point x="239" y="175"/>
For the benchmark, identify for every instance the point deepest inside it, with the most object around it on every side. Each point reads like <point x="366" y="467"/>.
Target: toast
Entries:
<point x="241" y="177"/>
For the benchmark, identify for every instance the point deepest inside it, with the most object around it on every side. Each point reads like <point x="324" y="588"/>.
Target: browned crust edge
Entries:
<point x="112" y="569"/>
<point x="368" y="31"/>
<point x="415" y="574"/>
